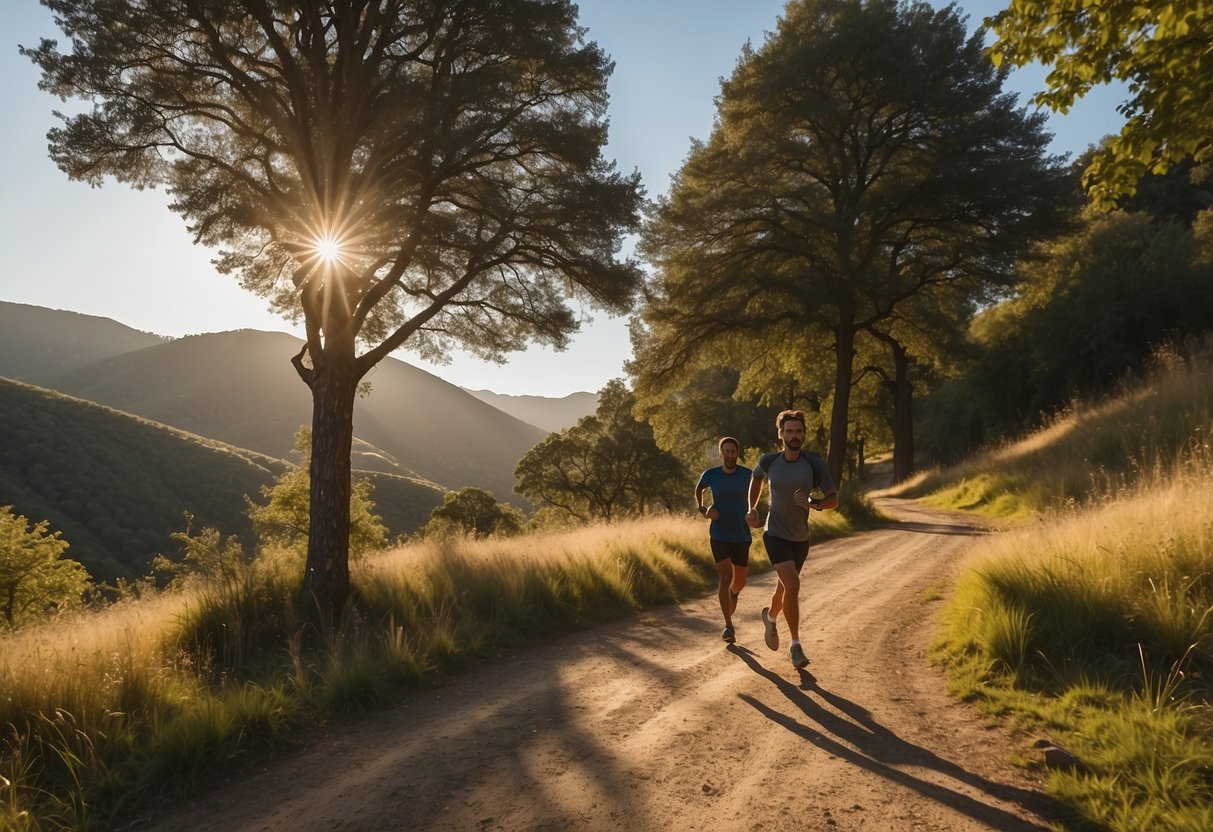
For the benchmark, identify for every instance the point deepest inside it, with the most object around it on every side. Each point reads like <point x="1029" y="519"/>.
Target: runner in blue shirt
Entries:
<point x="729" y="535"/>
<point x="794" y="475"/>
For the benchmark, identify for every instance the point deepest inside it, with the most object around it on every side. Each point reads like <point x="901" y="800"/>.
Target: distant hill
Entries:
<point x="551" y="414"/>
<point x="116" y="486"/>
<point x="239" y="387"/>
<point x="36" y="342"/>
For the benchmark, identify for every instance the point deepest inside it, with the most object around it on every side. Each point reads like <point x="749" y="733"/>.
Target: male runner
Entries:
<point x="728" y="535"/>
<point x="793" y="475"/>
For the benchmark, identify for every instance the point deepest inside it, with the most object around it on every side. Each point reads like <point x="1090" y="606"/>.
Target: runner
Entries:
<point x="793" y="475"/>
<point x="728" y="535"/>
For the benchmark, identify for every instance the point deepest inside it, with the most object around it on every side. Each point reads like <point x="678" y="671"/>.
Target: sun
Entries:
<point x="328" y="250"/>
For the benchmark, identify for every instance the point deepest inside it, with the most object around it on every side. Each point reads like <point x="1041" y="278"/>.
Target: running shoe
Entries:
<point x="771" y="635"/>
<point x="728" y="634"/>
<point x="799" y="659"/>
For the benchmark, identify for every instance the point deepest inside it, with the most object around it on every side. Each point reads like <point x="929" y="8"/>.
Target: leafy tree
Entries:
<point x="207" y="553"/>
<point x="690" y="422"/>
<point x="284" y="519"/>
<point x="388" y="171"/>
<point x="1094" y="306"/>
<point x="918" y="338"/>
<point x="1163" y="50"/>
<point x="35" y="577"/>
<point x="606" y="466"/>
<point x="865" y="154"/>
<point x="475" y="512"/>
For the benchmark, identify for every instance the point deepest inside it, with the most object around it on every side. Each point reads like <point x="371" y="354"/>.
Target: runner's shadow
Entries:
<point x="856" y="737"/>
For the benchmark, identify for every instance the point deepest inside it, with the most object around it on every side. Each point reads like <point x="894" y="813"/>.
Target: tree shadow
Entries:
<point x="856" y="737"/>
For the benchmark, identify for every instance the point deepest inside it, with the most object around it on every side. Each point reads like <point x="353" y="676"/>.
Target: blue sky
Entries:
<point x="122" y="254"/>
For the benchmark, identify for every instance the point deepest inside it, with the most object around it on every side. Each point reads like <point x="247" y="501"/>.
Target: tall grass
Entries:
<point x="1089" y="452"/>
<point x="1094" y="623"/>
<point x="110" y="711"/>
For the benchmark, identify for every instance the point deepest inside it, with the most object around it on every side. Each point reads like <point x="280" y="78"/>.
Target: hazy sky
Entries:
<point x="122" y="254"/>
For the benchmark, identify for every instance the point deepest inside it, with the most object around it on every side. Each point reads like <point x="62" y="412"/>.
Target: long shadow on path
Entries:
<point x="860" y="740"/>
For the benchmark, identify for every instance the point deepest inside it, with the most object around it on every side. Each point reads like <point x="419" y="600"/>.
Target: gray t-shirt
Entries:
<point x="786" y="519"/>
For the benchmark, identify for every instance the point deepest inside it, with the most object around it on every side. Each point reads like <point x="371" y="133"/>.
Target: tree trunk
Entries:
<point x="903" y="419"/>
<point x="327" y="576"/>
<point x="844" y="351"/>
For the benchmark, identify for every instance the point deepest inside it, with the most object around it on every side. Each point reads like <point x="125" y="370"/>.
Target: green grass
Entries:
<point x="1092" y="623"/>
<point x="110" y="711"/>
<point x="1088" y="453"/>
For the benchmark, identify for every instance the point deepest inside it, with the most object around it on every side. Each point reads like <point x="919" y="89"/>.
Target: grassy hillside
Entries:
<point x="116" y="486"/>
<point x="240" y="388"/>
<point x="1092" y="625"/>
<point x="1087" y="453"/>
<point x="36" y="342"/>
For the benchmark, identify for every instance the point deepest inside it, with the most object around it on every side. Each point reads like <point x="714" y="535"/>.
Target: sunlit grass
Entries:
<point x="1097" y="629"/>
<point x="1087" y="453"/>
<point x="111" y="710"/>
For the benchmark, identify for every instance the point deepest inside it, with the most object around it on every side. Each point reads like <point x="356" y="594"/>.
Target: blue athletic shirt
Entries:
<point x="729" y="495"/>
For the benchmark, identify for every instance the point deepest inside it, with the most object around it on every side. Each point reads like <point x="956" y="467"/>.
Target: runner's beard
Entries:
<point x="793" y="444"/>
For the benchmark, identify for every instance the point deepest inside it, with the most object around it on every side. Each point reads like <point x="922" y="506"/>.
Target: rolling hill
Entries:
<point x="239" y="387"/>
<point x="117" y="486"/>
<point x="545" y="412"/>
<point x="36" y="342"/>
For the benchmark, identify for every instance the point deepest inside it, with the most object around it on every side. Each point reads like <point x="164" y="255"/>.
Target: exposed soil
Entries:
<point x="653" y="723"/>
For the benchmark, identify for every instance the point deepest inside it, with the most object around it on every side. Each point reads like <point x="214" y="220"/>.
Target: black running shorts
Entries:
<point x="780" y="550"/>
<point x="739" y="553"/>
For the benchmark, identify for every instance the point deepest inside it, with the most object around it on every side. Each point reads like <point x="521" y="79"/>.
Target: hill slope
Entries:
<point x="116" y="486"/>
<point x="551" y="414"/>
<point x="239" y="387"/>
<point x="36" y="342"/>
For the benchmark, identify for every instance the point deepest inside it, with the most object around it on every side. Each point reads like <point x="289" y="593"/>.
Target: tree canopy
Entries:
<point x="35" y="577"/>
<point x="387" y="171"/>
<point x="1163" y="51"/>
<point x="606" y="466"/>
<point x="863" y="155"/>
<point x="474" y="512"/>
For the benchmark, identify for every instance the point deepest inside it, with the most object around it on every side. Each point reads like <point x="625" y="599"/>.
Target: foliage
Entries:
<point x="473" y="512"/>
<point x="35" y="577"/>
<point x="448" y="152"/>
<point x="863" y="156"/>
<point x="284" y="518"/>
<point x="207" y="554"/>
<point x="1160" y="48"/>
<point x="691" y="422"/>
<point x="607" y="465"/>
<point x="115" y="485"/>
<point x="1093" y="306"/>
<point x="1156" y="421"/>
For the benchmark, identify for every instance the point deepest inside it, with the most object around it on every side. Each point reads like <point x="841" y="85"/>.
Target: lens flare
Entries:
<point x="328" y="250"/>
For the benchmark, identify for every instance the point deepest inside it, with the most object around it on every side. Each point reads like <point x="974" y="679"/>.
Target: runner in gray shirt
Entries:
<point x="794" y="475"/>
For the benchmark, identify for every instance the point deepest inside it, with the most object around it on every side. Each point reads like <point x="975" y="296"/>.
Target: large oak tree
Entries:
<point x="388" y="171"/>
<point x="864" y="154"/>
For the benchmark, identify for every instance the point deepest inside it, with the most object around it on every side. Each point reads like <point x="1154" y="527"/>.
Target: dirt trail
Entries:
<point x="654" y="724"/>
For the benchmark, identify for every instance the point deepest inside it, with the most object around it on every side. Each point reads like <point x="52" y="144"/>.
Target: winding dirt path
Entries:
<point x="654" y="724"/>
